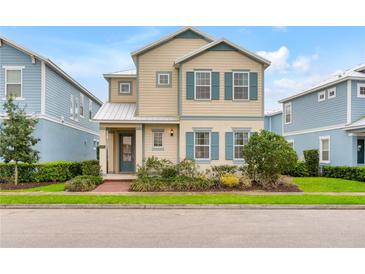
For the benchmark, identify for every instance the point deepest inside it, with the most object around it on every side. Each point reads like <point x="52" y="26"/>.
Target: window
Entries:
<point x="240" y="138"/>
<point x="331" y="93"/>
<point x="361" y="90"/>
<point x="321" y="96"/>
<point x="82" y="105"/>
<point x="240" y="86"/>
<point x="324" y="147"/>
<point x="202" y="145"/>
<point x="291" y="143"/>
<point x="288" y="113"/>
<point x="90" y="109"/>
<point x="202" y="85"/>
<point x="124" y="88"/>
<point x="13" y="83"/>
<point x="76" y="109"/>
<point x="72" y="106"/>
<point x="157" y="139"/>
<point x="163" y="78"/>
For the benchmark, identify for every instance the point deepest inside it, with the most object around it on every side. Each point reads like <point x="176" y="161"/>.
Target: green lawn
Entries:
<point x="322" y="184"/>
<point x="49" y="188"/>
<point x="182" y="199"/>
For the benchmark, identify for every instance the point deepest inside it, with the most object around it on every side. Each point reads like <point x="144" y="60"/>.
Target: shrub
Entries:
<point x="229" y="180"/>
<point x="188" y="168"/>
<point x="218" y="171"/>
<point x="344" y="172"/>
<point x="83" y="183"/>
<point x="311" y="157"/>
<point x="154" y="167"/>
<point x="298" y="170"/>
<point x="91" y="167"/>
<point x="245" y="182"/>
<point x="267" y="155"/>
<point x="169" y="172"/>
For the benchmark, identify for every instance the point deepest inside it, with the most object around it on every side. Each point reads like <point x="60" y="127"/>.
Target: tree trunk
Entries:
<point x="16" y="173"/>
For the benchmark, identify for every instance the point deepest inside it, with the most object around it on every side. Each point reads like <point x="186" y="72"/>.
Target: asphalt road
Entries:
<point x="181" y="228"/>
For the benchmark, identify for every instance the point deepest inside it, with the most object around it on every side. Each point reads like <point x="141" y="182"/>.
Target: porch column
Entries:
<point x="110" y="156"/>
<point x="103" y="150"/>
<point x="139" y="146"/>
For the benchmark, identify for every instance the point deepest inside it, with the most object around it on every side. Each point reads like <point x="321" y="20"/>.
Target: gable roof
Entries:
<point x="170" y="37"/>
<point x="227" y="42"/>
<point x="52" y="65"/>
<point x="356" y="73"/>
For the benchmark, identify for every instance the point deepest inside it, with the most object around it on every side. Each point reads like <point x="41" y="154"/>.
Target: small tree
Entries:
<point x="16" y="140"/>
<point x="311" y="157"/>
<point x="266" y="156"/>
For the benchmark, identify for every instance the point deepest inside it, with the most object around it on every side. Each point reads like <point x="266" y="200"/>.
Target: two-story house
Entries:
<point x="63" y="107"/>
<point x="191" y="96"/>
<point x="329" y="116"/>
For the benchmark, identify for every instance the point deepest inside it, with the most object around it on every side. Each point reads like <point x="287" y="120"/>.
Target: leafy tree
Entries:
<point x="266" y="156"/>
<point x="16" y="140"/>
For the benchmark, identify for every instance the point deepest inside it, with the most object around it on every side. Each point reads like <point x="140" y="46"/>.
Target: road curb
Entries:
<point x="179" y="206"/>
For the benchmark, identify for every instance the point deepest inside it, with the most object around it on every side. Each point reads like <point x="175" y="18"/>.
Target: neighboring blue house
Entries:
<point x="273" y="121"/>
<point x="329" y="116"/>
<point x="63" y="107"/>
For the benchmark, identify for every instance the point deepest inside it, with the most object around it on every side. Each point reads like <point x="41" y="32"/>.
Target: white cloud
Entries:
<point x="280" y="28"/>
<point x="278" y="58"/>
<point x="147" y="34"/>
<point x="303" y="63"/>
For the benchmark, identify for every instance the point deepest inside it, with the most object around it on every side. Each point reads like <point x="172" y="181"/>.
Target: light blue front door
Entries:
<point x="127" y="152"/>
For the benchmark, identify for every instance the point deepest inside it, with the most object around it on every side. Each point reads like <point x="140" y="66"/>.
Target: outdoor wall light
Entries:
<point x="171" y="132"/>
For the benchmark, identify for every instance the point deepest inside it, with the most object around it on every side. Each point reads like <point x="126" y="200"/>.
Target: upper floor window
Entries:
<point x="76" y="111"/>
<point x="202" y="145"/>
<point x="324" y="149"/>
<point x="240" y="138"/>
<point x="163" y="79"/>
<point x="90" y="109"/>
<point x="13" y="83"/>
<point x="321" y="96"/>
<point x="158" y="139"/>
<point x="240" y="85"/>
<point x="361" y="90"/>
<point x="203" y="81"/>
<point x="331" y="93"/>
<point x="288" y="113"/>
<point x="124" y="87"/>
<point x="82" y="105"/>
<point x="72" y="107"/>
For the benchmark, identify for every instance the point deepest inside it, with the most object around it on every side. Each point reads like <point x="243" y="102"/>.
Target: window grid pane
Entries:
<point x="163" y="79"/>
<point x="13" y="76"/>
<point x="240" y="139"/>
<point x="124" y="87"/>
<point x="362" y="90"/>
<point x="202" y="146"/>
<point x="157" y="139"/>
<point x="202" y="85"/>
<point x="13" y="90"/>
<point x="240" y="85"/>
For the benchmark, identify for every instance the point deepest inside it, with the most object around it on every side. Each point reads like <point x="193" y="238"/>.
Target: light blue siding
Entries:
<point x="273" y="123"/>
<point x="358" y="104"/>
<point x="31" y="73"/>
<point x="309" y="113"/>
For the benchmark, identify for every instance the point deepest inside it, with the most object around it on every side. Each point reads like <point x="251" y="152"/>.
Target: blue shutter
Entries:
<point x="228" y="86"/>
<point x="253" y="86"/>
<point x="229" y="145"/>
<point x="215" y="85"/>
<point x="215" y="146"/>
<point x="190" y="85"/>
<point x="189" y="145"/>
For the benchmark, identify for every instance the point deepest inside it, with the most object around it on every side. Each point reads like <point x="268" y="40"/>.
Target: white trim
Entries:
<point x="291" y="141"/>
<point x="16" y="68"/>
<point x="76" y="108"/>
<point x="13" y="67"/>
<point x="320" y="93"/>
<point x="360" y="85"/>
<point x="329" y="96"/>
<point x="291" y="113"/>
<point x="72" y="107"/>
<point x="43" y="88"/>
<point x="321" y="138"/>
<point x="90" y="108"/>
<point x="82" y="99"/>
<point x="248" y="85"/>
<point x="349" y="102"/>
<point x="158" y="78"/>
<point x="120" y="88"/>
<point x="210" y="145"/>
<point x="162" y="139"/>
<point x="210" y="86"/>
<point x="312" y="130"/>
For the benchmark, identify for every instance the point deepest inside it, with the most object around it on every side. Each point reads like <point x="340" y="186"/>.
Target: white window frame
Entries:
<point x="72" y="107"/>
<point x="81" y="105"/>
<point x="291" y="142"/>
<point x="90" y="110"/>
<point x="329" y="96"/>
<point x="321" y="138"/>
<point x="234" y="142"/>
<point x="248" y="85"/>
<point x="320" y="94"/>
<point x="210" y="86"/>
<point x="209" y="145"/>
<point x="158" y="79"/>
<point x="162" y="139"/>
<point x="121" y="90"/>
<point x="18" y="68"/>
<point x="359" y="86"/>
<point x="291" y="113"/>
<point x="76" y="108"/>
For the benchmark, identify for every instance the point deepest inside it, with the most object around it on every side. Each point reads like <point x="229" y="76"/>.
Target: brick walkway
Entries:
<point x="113" y="186"/>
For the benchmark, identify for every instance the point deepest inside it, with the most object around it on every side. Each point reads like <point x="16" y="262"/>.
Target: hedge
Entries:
<point x="311" y="157"/>
<point x="344" y="172"/>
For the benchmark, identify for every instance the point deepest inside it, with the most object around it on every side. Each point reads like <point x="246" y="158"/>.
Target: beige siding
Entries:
<point x="115" y="97"/>
<point x="222" y="61"/>
<point x="162" y="101"/>
<point x="169" y="151"/>
<point x="216" y="126"/>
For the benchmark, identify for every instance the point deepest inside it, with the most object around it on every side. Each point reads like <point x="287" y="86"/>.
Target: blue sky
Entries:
<point x="301" y="56"/>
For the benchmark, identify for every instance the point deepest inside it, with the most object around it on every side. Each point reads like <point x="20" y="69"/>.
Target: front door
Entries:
<point x="361" y="151"/>
<point x="127" y="152"/>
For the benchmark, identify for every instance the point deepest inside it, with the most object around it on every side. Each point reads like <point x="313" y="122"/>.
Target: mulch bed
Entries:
<point x="11" y="186"/>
